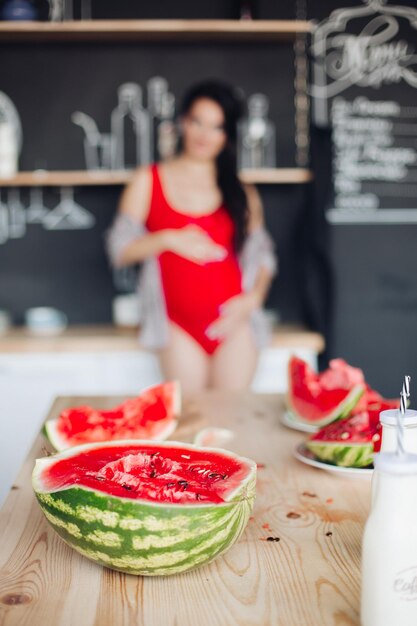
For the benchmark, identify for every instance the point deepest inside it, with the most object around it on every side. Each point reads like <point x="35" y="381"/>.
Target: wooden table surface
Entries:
<point x="309" y="577"/>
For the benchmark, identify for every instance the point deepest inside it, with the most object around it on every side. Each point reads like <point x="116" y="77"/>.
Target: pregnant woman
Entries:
<point x="207" y="259"/>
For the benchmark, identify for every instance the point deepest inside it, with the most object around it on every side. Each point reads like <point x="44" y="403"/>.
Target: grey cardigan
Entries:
<point x="257" y="251"/>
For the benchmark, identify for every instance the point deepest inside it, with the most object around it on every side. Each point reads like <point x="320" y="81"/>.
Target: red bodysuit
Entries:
<point x="194" y="292"/>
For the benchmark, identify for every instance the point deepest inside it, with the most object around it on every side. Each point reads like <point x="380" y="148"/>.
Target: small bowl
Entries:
<point x="45" y="321"/>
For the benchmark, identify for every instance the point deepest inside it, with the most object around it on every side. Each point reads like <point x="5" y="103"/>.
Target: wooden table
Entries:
<point x="309" y="577"/>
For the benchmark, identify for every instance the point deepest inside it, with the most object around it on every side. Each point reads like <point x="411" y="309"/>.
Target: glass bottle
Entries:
<point x="256" y="136"/>
<point x="166" y="131"/>
<point x="389" y="421"/>
<point x="389" y="554"/>
<point x="157" y="88"/>
<point x="130" y="129"/>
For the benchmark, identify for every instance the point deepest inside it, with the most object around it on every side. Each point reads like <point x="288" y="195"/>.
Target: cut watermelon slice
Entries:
<point x="352" y="442"/>
<point x="152" y="416"/>
<point x="323" y="398"/>
<point x="349" y="442"/>
<point x="146" y="508"/>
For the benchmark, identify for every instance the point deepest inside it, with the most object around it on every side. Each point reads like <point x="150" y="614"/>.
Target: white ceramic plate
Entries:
<point x="290" y="421"/>
<point x="305" y="456"/>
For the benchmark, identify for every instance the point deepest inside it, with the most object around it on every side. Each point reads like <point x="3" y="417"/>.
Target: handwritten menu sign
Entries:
<point x="364" y="86"/>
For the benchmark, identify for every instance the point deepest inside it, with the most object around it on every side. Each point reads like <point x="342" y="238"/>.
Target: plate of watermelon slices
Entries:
<point x="340" y="411"/>
<point x="305" y="455"/>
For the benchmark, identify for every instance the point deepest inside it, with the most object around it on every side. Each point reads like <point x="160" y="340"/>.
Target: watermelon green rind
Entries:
<point x="341" y="410"/>
<point x="142" y="537"/>
<point x="342" y="453"/>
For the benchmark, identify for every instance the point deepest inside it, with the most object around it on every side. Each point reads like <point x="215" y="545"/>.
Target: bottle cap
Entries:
<point x="393" y="463"/>
<point x="390" y="417"/>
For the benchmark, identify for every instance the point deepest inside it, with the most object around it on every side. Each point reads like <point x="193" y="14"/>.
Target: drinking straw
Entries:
<point x="405" y="393"/>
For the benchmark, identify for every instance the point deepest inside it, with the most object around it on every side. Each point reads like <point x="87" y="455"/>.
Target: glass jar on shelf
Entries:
<point x="256" y="136"/>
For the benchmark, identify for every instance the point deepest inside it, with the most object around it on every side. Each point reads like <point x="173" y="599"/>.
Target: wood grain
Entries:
<point x="154" y="30"/>
<point x="308" y="576"/>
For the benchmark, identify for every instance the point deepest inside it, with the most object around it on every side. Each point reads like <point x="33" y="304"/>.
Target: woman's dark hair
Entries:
<point x="234" y="196"/>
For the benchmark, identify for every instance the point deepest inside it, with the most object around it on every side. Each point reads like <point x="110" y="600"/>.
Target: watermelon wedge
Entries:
<point x="152" y="415"/>
<point x="352" y="441"/>
<point x="146" y="508"/>
<point x="323" y="398"/>
<point x="349" y="442"/>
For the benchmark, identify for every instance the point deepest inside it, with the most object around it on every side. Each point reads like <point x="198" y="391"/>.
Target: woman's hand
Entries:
<point x="232" y="313"/>
<point x="193" y="243"/>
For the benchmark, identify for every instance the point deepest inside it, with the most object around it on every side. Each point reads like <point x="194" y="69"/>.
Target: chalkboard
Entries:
<point x="364" y="80"/>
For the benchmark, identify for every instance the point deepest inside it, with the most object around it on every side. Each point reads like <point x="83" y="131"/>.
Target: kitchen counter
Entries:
<point x="112" y="338"/>
<point x="308" y="576"/>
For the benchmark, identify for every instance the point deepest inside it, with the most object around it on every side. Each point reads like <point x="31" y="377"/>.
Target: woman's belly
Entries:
<point x="194" y="293"/>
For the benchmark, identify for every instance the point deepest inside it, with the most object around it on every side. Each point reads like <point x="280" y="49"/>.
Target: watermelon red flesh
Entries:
<point x="143" y="472"/>
<point x="149" y="416"/>
<point x="151" y="529"/>
<point x="322" y="398"/>
<point x="349" y="442"/>
<point x="373" y="402"/>
<point x="352" y="441"/>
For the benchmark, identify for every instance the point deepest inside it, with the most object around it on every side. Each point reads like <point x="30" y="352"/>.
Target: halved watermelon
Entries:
<point x="323" y="398"/>
<point x="352" y="441"/>
<point x="146" y="508"/>
<point x="152" y="415"/>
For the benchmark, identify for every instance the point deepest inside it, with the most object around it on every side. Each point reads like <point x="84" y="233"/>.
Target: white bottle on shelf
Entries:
<point x="389" y="554"/>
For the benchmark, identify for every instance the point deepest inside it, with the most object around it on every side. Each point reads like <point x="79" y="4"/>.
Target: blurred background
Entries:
<point x="339" y="82"/>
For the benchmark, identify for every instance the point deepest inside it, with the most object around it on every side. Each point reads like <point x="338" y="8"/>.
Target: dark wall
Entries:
<point x="372" y="283"/>
<point x="48" y="82"/>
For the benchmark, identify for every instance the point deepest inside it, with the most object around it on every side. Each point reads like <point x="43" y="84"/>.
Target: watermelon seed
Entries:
<point x="224" y="476"/>
<point x="183" y="483"/>
<point x="292" y="515"/>
<point x="153" y="473"/>
<point x="309" y="495"/>
<point x="128" y="487"/>
<point x="170" y="484"/>
<point x="213" y="475"/>
<point x="101" y="478"/>
<point x="273" y="539"/>
<point x="329" y="534"/>
<point x="197" y="496"/>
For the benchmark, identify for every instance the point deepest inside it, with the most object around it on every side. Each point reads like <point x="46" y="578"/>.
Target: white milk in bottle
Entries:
<point x="389" y="555"/>
<point x="389" y="422"/>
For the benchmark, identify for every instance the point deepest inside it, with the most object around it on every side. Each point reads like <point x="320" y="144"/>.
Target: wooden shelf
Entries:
<point x="85" y="178"/>
<point x="71" y="178"/>
<point x="277" y="176"/>
<point x="154" y="30"/>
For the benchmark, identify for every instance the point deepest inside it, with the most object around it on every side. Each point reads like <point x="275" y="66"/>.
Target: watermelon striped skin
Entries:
<point x="343" y="454"/>
<point x="141" y="537"/>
